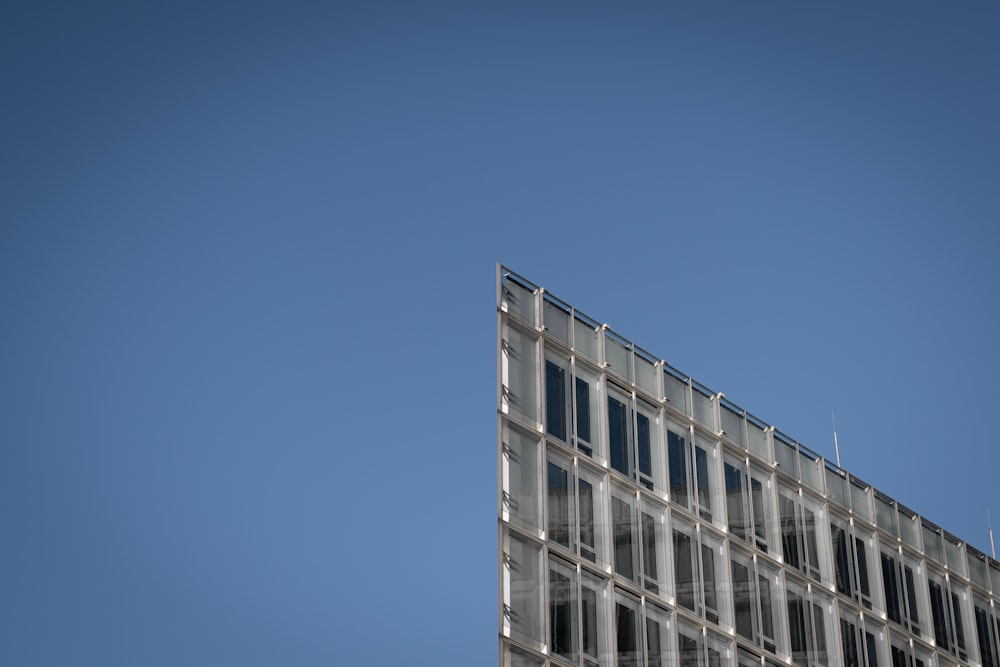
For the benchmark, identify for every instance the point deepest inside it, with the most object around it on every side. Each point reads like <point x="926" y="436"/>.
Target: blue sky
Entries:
<point x="247" y="257"/>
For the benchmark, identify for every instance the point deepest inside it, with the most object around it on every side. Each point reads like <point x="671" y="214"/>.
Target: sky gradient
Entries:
<point x="247" y="259"/>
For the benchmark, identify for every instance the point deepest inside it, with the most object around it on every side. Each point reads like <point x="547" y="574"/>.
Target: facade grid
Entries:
<point x="647" y="521"/>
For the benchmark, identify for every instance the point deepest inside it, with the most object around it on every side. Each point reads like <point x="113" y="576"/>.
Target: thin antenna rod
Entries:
<point x="993" y="549"/>
<point x="836" y="444"/>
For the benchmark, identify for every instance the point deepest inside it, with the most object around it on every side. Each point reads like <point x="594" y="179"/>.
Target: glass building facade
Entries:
<point x="646" y="520"/>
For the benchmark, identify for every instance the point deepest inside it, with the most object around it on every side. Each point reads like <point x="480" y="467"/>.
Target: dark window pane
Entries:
<point x="789" y="534"/>
<point x="911" y="594"/>
<point x="704" y="497"/>
<point x="841" y="560"/>
<point x="560" y="614"/>
<point x="621" y="513"/>
<point x="653" y="649"/>
<point x="709" y="584"/>
<point x="742" y="601"/>
<point x="734" y="501"/>
<point x="757" y="498"/>
<point x="956" y="612"/>
<point x="587" y="547"/>
<point x="677" y="454"/>
<point x="649" y="551"/>
<point x="689" y="651"/>
<point x="618" y="436"/>
<point x="643" y="442"/>
<point x="862" y="555"/>
<point x="872" y="649"/>
<point x="555" y="400"/>
<point x="588" y="610"/>
<point x="559" y="499"/>
<point x="628" y="654"/>
<point x="766" y="618"/>
<point x="848" y="641"/>
<point x="684" y="570"/>
<point x="583" y="412"/>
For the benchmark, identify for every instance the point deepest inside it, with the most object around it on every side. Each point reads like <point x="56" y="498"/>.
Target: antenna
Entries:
<point x="993" y="549"/>
<point x="836" y="444"/>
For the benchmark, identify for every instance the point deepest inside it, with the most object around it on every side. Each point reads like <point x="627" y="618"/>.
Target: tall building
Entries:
<point x="646" y="520"/>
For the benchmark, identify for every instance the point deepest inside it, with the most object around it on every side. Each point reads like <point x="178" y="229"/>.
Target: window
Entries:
<point x="947" y="599"/>
<point x="653" y="525"/>
<point x="571" y="400"/>
<point x="522" y="604"/>
<point x="592" y="487"/>
<point x="807" y="628"/>
<point x="753" y="612"/>
<point x="634" y="439"/>
<point x="620" y="432"/>
<point x="799" y="526"/>
<point x="904" y="653"/>
<point x="563" y="610"/>
<point x="519" y="369"/>
<point x="628" y="628"/>
<point x="625" y="530"/>
<point x="659" y="642"/>
<point x="986" y="634"/>
<point x="852" y="561"/>
<point x="699" y="649"/>
<point x="561" y="502"/>
<point x="594" y="598"/>
<point x="521" y="484"/>
<point x="860" y="641"/>
<point x="748" y="502"/>
<point x="692" y="471"/>
<point x="698" y="571"/>
<point x="900" y="584"/>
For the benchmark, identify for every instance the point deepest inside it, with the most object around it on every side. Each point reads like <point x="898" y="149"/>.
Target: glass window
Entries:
<point x="853" y="551"/>
<point x="587" y="406"/>
<point x="860" y="643"/>
<point x="649" y="448"/>
<point x="808" y="629"/>
<point x="955" y="553"/>
<point x="628" y="632"/>
<point x="521" y="484"/>
<point x="801" y="520"/>
<point x="626" y="534"/>
<point x="655" y="533"/>
<point x="698" y="649"/>
<point x="563" y="610"/>
<point x="592" y="488"/>
<point x="561" y="489"/>
<point x="522" y="587"/>
<point x="594" y="619"/>
<point x="698" y="571"/>
<point x="986" y="634"/>
<point x="558" y="408"/>
<point x="620" y="432"/>
<point x="749" y="503"/>
<point x="515" y="657"/>
<point x="659" y="642"/>
<point x="693" y="476"/>
<point x="902" y="583"/>
<point x="519" y="361"/>
<point x="745" y="604"/>
<point x="947" y="601"/>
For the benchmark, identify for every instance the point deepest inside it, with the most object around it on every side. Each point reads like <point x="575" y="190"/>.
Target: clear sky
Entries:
<point x="247" y="255"/>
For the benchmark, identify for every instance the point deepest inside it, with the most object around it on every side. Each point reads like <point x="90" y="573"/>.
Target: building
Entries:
<point x="646" y="521"/>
